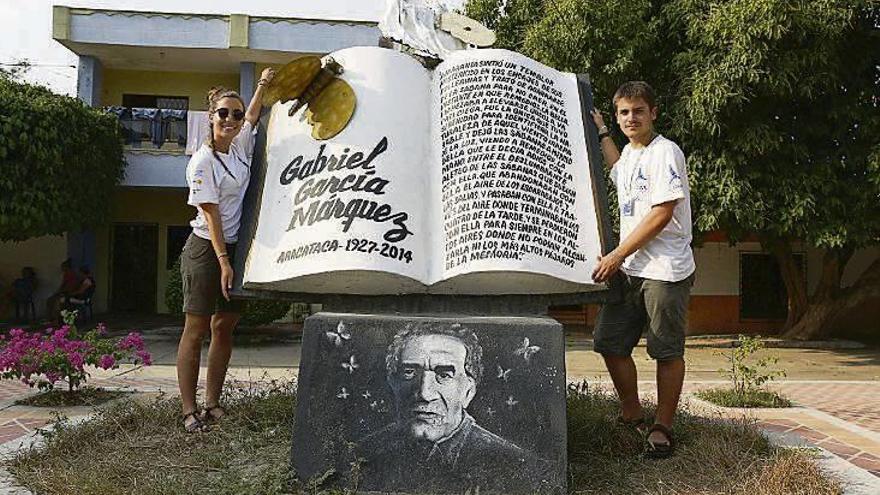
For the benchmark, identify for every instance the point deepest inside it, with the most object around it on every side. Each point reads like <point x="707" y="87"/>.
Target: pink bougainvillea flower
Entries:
<point x="76" y="359"/>
<point x="107" y="361"/>
<point x="45" y="357"/>
<point x="145" y="357"/>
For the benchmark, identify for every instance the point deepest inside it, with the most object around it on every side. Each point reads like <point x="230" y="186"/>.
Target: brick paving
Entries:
<point x="857" y="403"/>
<point x="854" y="455"/>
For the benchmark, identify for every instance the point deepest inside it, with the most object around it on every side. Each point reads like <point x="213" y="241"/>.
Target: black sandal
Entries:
<point x="659" y="450"/>
<point x="209" y="416"/>
<point x="197" y="425"/>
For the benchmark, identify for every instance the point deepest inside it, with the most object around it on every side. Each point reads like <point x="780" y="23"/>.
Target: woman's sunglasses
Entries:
<point x="224" y="112"/>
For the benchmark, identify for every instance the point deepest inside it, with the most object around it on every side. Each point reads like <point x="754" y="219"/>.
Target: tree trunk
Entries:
<point x="792" y="276"/>
<point x="830" y="302"/>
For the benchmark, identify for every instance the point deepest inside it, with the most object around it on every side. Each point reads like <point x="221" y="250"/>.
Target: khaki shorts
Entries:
<point x="659" y="307"/>
<point x="200" y="271"/>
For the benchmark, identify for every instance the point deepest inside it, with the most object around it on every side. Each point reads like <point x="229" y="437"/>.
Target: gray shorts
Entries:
<point x="659" y="307"/>
<point x="200" y="270"/>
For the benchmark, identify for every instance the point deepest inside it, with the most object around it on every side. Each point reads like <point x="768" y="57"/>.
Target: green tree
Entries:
<point x="775" y="103"/>
<point x="59" y="159"/>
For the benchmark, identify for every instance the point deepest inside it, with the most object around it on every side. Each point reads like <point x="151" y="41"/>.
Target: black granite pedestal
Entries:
<point x="415" y="404"/>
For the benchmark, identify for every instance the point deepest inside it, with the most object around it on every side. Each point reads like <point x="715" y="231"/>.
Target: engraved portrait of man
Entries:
<point x="433" y="372"/>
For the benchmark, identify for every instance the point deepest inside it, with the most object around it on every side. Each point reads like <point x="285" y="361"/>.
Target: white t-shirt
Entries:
<point x="644" y="178"/>
<point x="210" y="182"/>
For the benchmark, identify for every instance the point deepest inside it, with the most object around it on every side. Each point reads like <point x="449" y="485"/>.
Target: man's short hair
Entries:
<point x="473" y="361"/>
<point x="635" y="89"/>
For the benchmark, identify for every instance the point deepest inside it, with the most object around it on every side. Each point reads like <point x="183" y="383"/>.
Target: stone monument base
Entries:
<point x="423" y="404"/>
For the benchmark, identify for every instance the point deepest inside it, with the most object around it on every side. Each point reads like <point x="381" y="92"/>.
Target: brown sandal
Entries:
<point x="659" y="450"/>
<point x="210" y="416"/>
<point x="196" y="425"/>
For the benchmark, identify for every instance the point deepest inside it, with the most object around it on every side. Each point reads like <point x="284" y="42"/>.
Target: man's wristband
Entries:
<point x="603" y="135"/>
<point x="222" y="255"/>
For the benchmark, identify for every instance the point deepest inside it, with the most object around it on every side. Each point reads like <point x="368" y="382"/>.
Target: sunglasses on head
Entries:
<point x="224" y="112"/>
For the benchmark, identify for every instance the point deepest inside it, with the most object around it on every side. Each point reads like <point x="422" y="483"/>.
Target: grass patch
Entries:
<point x="728" y="397"/>
<point x="85" y="396"/>
<point x="137" y="447"/>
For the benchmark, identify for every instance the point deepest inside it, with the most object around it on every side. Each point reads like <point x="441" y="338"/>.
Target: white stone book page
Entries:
<point x="350" y="214"/>
<point x="517" y="211"/>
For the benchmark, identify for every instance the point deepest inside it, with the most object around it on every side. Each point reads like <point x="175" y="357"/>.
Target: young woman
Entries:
<point x="217" y="175"/>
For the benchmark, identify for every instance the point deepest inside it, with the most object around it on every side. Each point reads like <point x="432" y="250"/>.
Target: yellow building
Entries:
<point x="137" y="62"/>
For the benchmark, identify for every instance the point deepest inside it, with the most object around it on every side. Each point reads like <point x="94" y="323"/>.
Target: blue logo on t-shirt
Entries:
<point x="674" y="178"/>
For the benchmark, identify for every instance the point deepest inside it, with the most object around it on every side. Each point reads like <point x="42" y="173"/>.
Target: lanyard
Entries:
<point x="235" y="157"/>
<point x="628" y="186"/>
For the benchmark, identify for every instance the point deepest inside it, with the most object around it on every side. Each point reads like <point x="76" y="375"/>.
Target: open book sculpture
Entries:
<point x="474" y="178"/>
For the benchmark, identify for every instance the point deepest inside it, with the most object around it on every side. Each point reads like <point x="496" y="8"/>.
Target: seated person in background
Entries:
<point x="21" y="291"/>
<point x="69" y="285"/>
<point x="84" y="291"/>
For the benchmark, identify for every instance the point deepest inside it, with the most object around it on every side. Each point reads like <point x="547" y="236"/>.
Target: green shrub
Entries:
<point x="255" y="312"/>
<point x="60" y="160"/>
<point x="748" y="374"/>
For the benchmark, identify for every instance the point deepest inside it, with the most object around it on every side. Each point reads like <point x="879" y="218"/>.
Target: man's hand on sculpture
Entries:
<point x="598" y="120"/>
<point x="607" y="266"/>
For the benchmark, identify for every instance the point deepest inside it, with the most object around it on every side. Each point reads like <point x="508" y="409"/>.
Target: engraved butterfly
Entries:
<point x="343" y="394"/>
<point x="313" y="84"/>
<point x="526" y="350"/>
<point x="503" y="373"/>
<point x="339" y="335"/>
<point x="511" y="401"/>
<point x="351" y="365"/>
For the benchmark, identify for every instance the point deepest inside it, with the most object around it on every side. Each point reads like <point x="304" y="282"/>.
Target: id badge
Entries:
<point x="627" y="209"/>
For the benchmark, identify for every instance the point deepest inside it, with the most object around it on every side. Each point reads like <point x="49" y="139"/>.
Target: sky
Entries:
<point x="55" y="66"/>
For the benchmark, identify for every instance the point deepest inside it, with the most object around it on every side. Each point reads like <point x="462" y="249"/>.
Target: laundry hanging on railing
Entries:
<point x="174" y="126"/>
<point x="196" y="130"/>
<point x="158" y="126"/>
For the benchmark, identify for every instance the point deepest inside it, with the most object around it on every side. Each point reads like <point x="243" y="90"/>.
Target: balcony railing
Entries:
<point x="152" y="128"/>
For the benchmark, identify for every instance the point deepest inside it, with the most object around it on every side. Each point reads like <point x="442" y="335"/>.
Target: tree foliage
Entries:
<point x="59" y="161"/>
<point x="774" y="102"/>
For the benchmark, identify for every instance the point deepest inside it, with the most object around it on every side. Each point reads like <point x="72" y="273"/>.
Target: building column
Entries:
<point x="246" y="81"/>
<point x="82" y="249"/>
<point x="82" y="246"/>
<point x="89" y="79"/>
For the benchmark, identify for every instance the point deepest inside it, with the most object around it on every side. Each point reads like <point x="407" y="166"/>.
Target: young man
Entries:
<point x="656" y="260"/>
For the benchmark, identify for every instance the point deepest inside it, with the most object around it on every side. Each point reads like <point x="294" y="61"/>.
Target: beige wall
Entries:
<point x="45" y="254"/>
<point x="163" y="208"/>
<point x="194" y="85"/>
